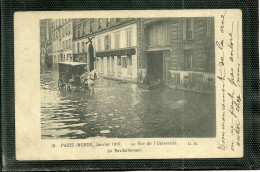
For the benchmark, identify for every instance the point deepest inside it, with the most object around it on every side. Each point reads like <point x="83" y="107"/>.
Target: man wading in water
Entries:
<point x="91" y="83"/>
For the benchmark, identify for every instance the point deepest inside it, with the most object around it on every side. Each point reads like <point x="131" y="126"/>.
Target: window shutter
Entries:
<point x="109" y="41"/>
<point x="130" y="37"/>
<point x="192" y="27"/>
<point x="184" y="29"/>
<point x="105" y="40"/>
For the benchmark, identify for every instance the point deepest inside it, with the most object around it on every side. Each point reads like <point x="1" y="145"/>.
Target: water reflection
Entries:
<point x="124" y="110"/>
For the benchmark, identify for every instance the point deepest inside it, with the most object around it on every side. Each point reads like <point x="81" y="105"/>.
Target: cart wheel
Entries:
<point x="61" y="84"/>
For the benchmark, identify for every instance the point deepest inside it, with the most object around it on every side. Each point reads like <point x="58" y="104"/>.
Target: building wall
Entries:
<point x="200" y="76"/>
<point x="188" y="60"/>
<point x="62" y="35"/>
<point x="80" y="48"/>
<point x="117" y="66"/>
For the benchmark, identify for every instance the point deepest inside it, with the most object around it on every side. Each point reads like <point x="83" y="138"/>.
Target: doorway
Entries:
<point x="155" y="66"/>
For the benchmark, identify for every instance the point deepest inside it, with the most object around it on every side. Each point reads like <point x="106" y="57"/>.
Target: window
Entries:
<point x="99" y="24"/>
<point x="117" y="39"/>
<point x="118" y="20"/>
<point x="107" y="42"/>
<point x="78" y="31"/>
<point x="84" y="29"/>
<point x="124" y="65"/>
<point x="69" y="29"/>
<point x="189" y="28"/>
<point x="83" y="47"/>
<point x="128" y="37"/>
<point x="159" y="34"/>
<point x="66" y="30"/>
<point x="78" y="47"/>
<point x="118" y="60"/>
<point x="129" y="60"/>
<point x="99" y="44"/>
<point x="73" y="47"/>
<point x="187" y="60"/>
<point x="108" y="22"/>
<point x="91" y="26"/>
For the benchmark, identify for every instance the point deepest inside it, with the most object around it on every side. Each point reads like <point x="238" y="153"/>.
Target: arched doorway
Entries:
<point x="91" y="57"/>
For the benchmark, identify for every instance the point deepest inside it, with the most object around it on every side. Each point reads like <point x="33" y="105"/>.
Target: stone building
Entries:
<point x="179" y="52"/>
<point x="61" y="33"/>
<point x="45" y="43"/>
<point x="80" y="38"/>
<point x="108" y="45"/>
<point x="115" y="47"/>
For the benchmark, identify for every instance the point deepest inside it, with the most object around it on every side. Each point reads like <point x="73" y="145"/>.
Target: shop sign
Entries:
<point x="123" y="52"/>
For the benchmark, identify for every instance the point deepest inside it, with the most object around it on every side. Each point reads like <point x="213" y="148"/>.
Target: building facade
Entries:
<point x="79" y="41"/>
<point x="178" y="52"/>
<point x="62" y="34"/>
<point x="45" y="43"/>
<point x="115" y="46"/>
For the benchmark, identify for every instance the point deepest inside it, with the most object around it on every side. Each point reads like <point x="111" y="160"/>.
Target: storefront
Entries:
<point x="116" y="53"/>
<point x="116" y="63"/>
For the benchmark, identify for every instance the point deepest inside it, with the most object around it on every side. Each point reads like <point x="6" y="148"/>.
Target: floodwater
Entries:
<point x="124" y="110"/>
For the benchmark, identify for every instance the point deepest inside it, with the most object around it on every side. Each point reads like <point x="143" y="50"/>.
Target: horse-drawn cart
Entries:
<point x="69" y="75"/>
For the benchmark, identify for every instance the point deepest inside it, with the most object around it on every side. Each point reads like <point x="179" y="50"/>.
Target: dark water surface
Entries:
<point x="124" y="110"/>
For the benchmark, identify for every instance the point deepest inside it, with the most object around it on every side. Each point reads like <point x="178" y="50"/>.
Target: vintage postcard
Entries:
<point x="151" y="84"/>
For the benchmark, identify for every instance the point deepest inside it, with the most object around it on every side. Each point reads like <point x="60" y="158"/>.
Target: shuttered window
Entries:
<point x="107" y="42"/>
<point x="78" y="47"/>
<point x="117" y="39"/>
<point x="188" y="28"/>
<point x="129" y="37"/>
<point x="99" y="44"/>
<point x="83" y="47"/>
<point x="74" y="50"/>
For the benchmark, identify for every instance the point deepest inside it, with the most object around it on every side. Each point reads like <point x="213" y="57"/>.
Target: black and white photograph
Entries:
<point x="127" y="78"/>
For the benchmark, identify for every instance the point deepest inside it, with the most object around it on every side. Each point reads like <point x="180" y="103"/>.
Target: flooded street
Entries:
<point x="124" y="110"/>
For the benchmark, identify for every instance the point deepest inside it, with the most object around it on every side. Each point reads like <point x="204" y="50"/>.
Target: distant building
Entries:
<point x="62" y="34"/>
<point x="178" y="52"/>
<point x="45" y="43"/>
<point x="80" y="32"/>
<point x="43" y="39"/>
